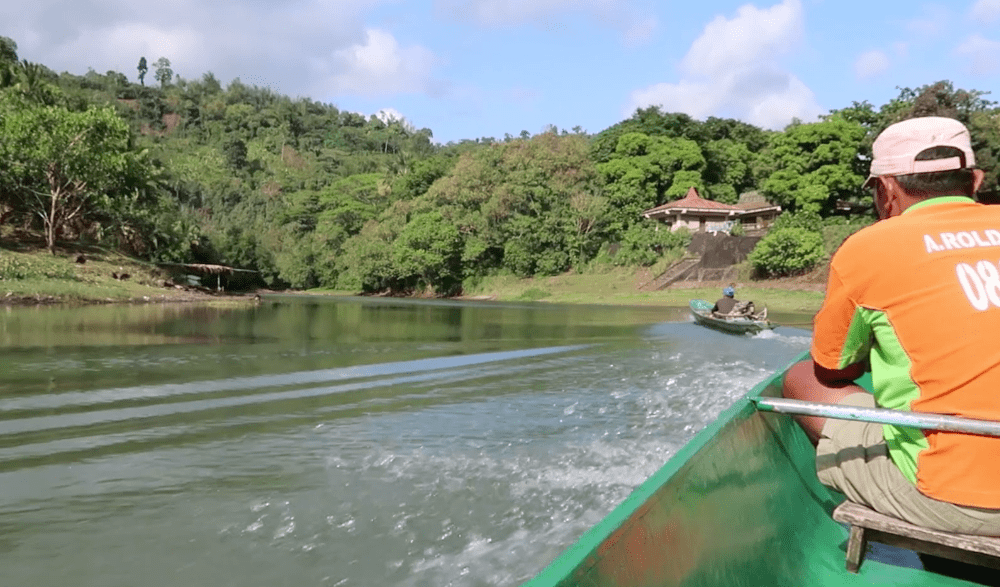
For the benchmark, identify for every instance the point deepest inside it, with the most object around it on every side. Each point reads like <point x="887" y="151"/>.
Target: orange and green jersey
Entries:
<point x="919" y="294"/>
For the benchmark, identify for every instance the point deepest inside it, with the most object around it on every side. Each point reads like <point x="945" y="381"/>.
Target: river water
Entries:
<point x="341" y="441"/>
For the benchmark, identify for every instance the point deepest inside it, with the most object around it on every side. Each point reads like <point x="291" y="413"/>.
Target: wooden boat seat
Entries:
<point x="868" y="525"/>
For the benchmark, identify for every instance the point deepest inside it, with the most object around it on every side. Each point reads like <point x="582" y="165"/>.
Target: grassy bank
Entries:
<point x="31" y="275"/>
<point x="620" y="286"/>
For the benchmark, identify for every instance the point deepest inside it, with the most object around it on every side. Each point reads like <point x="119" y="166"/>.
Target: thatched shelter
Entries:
<point x="225" y="277"/>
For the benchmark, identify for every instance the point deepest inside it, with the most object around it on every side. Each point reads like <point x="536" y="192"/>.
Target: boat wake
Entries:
<point x="73" y="425"/>
<point x="790" y="339"/>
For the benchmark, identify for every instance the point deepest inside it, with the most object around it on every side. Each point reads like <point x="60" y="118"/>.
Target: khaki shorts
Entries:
<point x="852" y="458"/>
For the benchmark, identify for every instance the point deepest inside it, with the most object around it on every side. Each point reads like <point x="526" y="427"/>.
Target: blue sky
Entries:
<point x="489" y="67"/>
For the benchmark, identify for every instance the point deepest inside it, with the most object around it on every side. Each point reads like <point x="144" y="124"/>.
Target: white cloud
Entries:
<point x="979" y="56"/>
<point x="732" y="70"/>
<point x="933" y="21"/>
<point x="752" y="36"/>
<point x="511" y="12"/>
<point x="987" y="11"/>
<point x="770" y="99"/>
<point x="297" y="47"/>
<point x="389" y="115"/>
<point x="379" y="66"/>
<point x="871" y="64"/>
<point x="776" y="109"/>
<point x="698" y="99"/>
<point x="180" y="45"/>
<point x="636" y="26"/>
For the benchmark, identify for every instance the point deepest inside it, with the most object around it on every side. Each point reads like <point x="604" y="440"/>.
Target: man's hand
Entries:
<point x="841" y="377"/>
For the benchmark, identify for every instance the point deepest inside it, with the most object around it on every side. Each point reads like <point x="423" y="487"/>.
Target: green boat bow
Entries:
<point x="738" y="505"/>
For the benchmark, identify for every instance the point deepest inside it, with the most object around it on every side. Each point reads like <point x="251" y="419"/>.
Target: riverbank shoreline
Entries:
<point x="775" y="299"/>
<point x="31" y="276"/>
<point x="803" y="295"/>
<point x="21" y="300"/>
<point x="37" y="278"/>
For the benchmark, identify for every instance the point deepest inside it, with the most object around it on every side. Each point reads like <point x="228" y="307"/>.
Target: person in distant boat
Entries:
<point x="728" y="305"/>
<point x="915" y="299"/>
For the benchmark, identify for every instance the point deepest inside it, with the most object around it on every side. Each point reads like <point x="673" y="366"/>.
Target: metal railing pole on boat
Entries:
<point x="922" y="420"/>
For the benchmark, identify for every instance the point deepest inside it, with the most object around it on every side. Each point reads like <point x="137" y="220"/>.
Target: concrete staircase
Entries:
<point x="675" y="272"/>
<point x="709" y="257"/>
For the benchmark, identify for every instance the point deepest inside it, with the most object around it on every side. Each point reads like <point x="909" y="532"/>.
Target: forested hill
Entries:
<point x="179" y="170"/>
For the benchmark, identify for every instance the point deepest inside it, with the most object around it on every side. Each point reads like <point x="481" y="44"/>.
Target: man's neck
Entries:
<point x="918" y="203"/>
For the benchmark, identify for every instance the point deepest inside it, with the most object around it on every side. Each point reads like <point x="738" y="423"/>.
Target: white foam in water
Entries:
<point x="505" y="503"/>
<point x="791" y="340"/>
<point x="496" y="488"/>
<point x="497" y="507"/>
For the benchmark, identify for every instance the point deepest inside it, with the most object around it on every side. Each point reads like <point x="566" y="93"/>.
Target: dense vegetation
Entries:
<point x="312" y="196"/>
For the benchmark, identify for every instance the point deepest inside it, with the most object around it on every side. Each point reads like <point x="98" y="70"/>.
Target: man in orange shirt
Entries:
<point x="915" y="298"/>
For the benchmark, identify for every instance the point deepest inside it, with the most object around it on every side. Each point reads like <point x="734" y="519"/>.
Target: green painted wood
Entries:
<point x="739" y="505"/>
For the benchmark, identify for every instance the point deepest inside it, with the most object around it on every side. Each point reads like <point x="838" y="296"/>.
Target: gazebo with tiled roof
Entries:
<point x="700" y="215"/>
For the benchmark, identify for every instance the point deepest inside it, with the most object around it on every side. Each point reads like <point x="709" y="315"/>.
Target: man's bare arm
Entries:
<point x="808" y="381"/>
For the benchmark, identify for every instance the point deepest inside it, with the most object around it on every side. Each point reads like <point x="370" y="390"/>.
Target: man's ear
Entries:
<point x="978" y="176"/>
<point x="882" y="198"/>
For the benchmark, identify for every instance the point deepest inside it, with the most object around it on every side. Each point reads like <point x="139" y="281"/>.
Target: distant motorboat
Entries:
<point x="738" y="324"/>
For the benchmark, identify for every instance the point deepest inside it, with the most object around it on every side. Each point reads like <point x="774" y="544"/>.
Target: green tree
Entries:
<point x="718" y="129"/>
<point x="649" y="121"/>
<point x="589" y="216"/>
<point x="525" y="205"/>
<point x="645" y="171"/>
<point x="421" y="176"/>
<point x="366" y="263"/>
<point x="352" y="201"/>
<point x="8" y="50"/>
<point x="163" y="72"/>
<point x="35" y="83"/>
<point x="8" y="61"/>
<point x="236" y="154"/>
<point x="682" y="181"/>
<point x="729" y="166"/>
<point x="303" y="260"/>
<point x="142" y="70"/>
<point x="315" y="226"/>
<point x="65" y="165"/>
<point x="936" y="99"/>
<point x="811" y="166"/>
<point x="427" y="253"/>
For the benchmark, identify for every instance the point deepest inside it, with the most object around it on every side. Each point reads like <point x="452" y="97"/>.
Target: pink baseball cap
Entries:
<point x="896" y="149"/>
